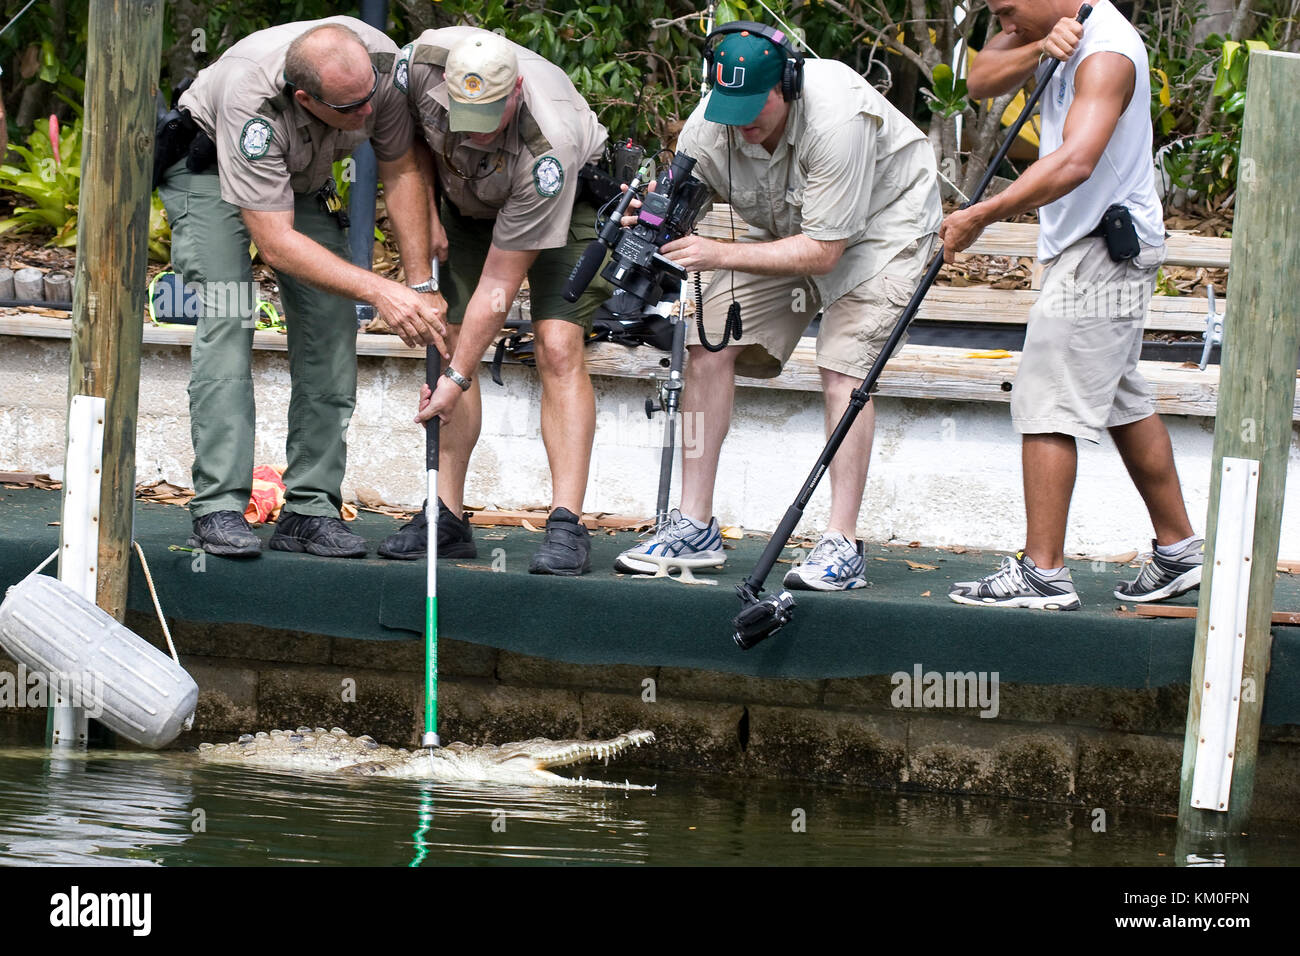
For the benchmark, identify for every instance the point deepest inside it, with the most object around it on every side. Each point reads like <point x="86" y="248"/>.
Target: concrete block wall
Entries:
<point x="944" y="473"/>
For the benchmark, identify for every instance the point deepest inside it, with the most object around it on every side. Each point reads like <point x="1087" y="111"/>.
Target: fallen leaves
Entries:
<point x="920" y="566"/>
<point x="26" y="479"/>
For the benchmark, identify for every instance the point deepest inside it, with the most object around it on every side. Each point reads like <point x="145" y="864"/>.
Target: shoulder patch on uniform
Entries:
<point x="383" y="61"/>
<point x="402" y="71"/>
<point x="255" y="138"/>
<point x="548" y="176"/>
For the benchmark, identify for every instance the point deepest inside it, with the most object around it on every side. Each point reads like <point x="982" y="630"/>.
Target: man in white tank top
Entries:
<point x="1078" y="372"/>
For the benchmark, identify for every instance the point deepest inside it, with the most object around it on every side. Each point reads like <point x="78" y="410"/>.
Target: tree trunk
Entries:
<point x="1217" y="17"/>
<point x="181" y="59"/>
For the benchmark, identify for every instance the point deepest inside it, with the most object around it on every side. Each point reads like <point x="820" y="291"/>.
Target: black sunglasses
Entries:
<point x="347" y="107"/>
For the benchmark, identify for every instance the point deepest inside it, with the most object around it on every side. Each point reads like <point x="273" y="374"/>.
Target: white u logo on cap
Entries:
<point x="737" y="77"/>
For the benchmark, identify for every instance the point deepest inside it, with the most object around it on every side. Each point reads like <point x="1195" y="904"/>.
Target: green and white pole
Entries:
<point x="432" y="372"/>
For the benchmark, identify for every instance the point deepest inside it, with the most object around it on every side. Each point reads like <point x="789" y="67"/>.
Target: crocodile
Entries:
<point x="521" y="763"/>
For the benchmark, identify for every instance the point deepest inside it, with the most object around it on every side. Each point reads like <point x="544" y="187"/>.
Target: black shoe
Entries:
<point x="567" y="548"/>
<point x="324" y="535"/>
<point x="410" y="542"/>
<point x="225" y="533"/>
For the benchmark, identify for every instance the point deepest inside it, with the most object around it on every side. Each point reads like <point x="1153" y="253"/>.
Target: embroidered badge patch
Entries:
<point x="402" y="69"/>
<point x="472" y="86"/>
<point x="255" y="139"/>
<point x="548" y="175"/>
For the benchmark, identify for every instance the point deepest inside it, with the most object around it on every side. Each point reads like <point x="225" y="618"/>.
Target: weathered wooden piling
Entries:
<point x="1256" y="393"/>
<point x="124" y="49"/>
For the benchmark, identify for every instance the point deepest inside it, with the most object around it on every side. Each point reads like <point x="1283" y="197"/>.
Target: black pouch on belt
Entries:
<point x="1119" y="232"/>
<point x="332" y="203"/>
<point x="172" y="140"/>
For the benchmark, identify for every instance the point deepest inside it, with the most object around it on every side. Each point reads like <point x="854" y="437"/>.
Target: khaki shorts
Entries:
<point x="1078" y="372"/>
<point x="468" y="241"/>
<point x="775" y="311"/>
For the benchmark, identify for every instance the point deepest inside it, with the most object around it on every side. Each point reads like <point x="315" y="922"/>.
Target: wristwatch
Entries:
<point x="430" y="284"/>
<point x="456" y="377"/>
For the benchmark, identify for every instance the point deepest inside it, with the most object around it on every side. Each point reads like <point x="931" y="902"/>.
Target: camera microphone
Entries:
<point x="585" y="270"/>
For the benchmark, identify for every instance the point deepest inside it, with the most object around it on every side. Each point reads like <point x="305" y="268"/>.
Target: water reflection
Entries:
<point x="151" y="809"/>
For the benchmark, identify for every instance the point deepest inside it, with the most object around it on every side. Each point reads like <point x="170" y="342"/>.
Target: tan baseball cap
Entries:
<point x="480" y="74"/>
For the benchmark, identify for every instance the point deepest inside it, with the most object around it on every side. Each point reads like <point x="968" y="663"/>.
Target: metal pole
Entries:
<point x="361" y="198"/>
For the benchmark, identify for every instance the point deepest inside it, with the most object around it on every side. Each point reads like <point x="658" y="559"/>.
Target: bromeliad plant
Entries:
<point x="50" y="178"/>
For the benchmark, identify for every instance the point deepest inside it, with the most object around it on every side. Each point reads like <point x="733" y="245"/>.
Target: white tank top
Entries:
<point x="1125" y="173"/>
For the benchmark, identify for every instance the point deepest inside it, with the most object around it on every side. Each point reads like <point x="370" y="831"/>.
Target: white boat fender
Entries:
<point x="141" y="693"/>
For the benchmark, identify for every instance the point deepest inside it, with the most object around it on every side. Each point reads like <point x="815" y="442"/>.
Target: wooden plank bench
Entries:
<point x="1011" y="306"/>
<point x="918" y="371"/>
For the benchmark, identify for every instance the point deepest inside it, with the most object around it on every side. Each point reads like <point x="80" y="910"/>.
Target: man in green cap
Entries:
<point x="840" y="192"/>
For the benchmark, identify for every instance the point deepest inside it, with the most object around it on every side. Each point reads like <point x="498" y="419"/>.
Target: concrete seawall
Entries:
<point x="1090" y="747"/>
<point x="944" y="472"/>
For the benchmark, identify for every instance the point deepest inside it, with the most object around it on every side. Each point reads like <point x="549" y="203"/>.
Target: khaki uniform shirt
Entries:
<point x="269" y="147"/>
<point x="849" y="166"/>
<point x="527" y="178"/>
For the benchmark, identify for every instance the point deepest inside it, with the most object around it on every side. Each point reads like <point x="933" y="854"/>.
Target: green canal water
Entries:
<point x="163" y="810"/>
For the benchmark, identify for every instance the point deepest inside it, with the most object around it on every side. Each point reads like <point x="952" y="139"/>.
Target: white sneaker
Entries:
<point x="680" y="542"/>
<point x="1019" y="583"/>
<point x="835" y="564"/>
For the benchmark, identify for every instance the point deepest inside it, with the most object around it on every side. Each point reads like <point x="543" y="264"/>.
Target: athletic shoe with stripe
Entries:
<point x="1164" y="576"/>
<point x="1019" y="583"/>
<point x="680" y="542"/>
<point x="835" y="564"/>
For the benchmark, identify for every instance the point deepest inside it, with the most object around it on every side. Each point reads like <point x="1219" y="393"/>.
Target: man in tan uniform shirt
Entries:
<point x="840" y="191"/>
<point x="272" y="115"/>
<point x="507" y="134"/>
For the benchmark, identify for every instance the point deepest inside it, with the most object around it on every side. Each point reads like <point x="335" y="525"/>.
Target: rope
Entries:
<point x="15" y="19"/>
<point x="41" y="567"/>
<point x="153" y="593"/>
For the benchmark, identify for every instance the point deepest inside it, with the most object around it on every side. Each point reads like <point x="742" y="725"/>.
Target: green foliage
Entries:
<point x="948" y="94"/>
<point x="1209" y="164"/>
<point x="637" y="77"/>
<point x="50" y="185"/>
<point x="52" y="189"/>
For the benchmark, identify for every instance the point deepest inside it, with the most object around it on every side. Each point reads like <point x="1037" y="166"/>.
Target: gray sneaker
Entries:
<point x="677" y="543"/>
<point x="835" y="564"/>
<point x="1163" y="576"/>
<point x="1019" y="583"/>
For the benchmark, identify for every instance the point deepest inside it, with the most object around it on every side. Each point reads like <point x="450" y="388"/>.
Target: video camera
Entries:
<point x="636" y="266"/>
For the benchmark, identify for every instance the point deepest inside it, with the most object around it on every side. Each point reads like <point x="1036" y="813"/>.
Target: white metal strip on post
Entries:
<point x="1225" y="639"/>
<point x="79" y="559"/>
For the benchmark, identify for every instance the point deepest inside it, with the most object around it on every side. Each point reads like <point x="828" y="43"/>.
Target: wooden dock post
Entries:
<point x="123" y="57"/>
<point x="1256" y="393"/>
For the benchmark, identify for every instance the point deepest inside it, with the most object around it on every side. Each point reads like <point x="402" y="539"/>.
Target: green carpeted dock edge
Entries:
<point x="903" y="619"/>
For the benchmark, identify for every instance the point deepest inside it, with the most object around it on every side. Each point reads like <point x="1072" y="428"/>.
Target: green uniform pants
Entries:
<point x="210" y="248"/>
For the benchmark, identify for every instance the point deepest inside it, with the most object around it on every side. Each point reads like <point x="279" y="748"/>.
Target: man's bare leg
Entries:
<point x="568" y="410"/>
<point x="1148" y="455"/>
<point x="708" y="394"/>
<point x="1049" y="463"/>
<point x="850" y="464"/>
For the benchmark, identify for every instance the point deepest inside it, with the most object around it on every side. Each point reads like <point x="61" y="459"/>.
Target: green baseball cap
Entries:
<point x="745" y="68"/>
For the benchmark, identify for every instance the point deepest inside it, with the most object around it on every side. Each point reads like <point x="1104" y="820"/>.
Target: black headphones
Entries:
<point x="791" y="73"/>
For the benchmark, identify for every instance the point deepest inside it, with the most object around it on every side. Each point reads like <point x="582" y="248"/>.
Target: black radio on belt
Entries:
<point x="332" y="203"/>
<point x="1119" y="232"/>
<point x="177" y="135"/>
